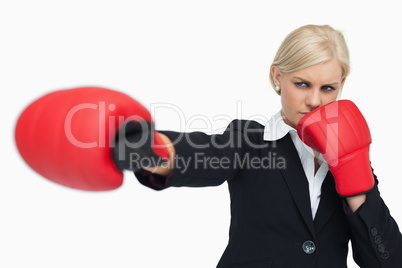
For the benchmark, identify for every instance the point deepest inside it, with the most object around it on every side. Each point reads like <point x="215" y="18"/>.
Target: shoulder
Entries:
<point x="247" y="129"/>
<point x="242" y="125"/>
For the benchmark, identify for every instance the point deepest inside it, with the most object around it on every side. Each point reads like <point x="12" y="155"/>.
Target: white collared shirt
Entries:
<point x="276" y="129"/>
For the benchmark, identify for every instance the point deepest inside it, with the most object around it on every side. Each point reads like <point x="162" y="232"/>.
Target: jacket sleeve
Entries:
<point x="376" y="239"/>
<point x="204" y="160"/>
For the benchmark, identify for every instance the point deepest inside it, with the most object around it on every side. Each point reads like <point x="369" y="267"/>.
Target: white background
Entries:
<point x="207" y="58"/>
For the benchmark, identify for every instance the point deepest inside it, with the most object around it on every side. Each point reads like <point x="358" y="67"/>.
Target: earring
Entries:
<point x="277" y="89"/>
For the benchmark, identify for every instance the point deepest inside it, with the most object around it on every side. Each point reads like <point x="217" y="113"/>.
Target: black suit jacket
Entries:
<point x="271" y="220"/>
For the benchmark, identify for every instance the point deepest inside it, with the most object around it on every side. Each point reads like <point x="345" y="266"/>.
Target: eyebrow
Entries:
<point x="308" y="82"/>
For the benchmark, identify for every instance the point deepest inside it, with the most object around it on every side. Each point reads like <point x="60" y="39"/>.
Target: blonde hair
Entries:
<point x="310" y="45"/>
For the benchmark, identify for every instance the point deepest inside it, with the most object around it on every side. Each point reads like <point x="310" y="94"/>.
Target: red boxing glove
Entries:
<point x="340" y="132"/>
<point x="67" y="136"/>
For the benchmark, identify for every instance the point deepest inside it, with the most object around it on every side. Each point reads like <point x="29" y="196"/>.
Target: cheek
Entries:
<point x="291" y="98"/>
<point x="290" y="104"/>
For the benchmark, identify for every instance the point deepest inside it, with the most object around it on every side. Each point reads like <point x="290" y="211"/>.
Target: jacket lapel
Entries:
<point x="296" y="179"/>
<point x="328" y="203"/>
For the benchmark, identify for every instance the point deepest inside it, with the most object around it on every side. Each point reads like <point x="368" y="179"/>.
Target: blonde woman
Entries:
<point x="292" y="213"/>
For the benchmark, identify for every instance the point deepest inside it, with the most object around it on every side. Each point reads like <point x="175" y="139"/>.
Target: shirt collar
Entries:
<point x="276" y="128"/>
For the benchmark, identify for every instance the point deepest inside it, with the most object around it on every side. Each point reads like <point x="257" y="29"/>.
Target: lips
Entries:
<point x="303" y="114"/>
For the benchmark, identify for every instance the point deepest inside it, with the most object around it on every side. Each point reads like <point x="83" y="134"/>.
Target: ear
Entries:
<point x="343" y="81"/>
<point x="276" y="74"/>
<point x="341" y="89"/>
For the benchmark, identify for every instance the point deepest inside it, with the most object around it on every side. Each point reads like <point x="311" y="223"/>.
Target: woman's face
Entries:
<point x="307" y="89"/>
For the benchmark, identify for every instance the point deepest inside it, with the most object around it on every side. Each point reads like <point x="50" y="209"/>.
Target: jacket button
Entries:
<point x="308" y="247"/>
<point x="385" y="255"/>
<point x="374" y="231"/>
<point x="377" y="239"/>
<point x="381" y="248"/>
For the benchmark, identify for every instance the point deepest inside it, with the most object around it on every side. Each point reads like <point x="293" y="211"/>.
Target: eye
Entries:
<point x="328" y="88"/>
<point x="302" y="84"/>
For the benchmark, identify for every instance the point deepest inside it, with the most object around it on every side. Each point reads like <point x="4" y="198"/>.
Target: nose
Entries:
<point x="313" y="99"/>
